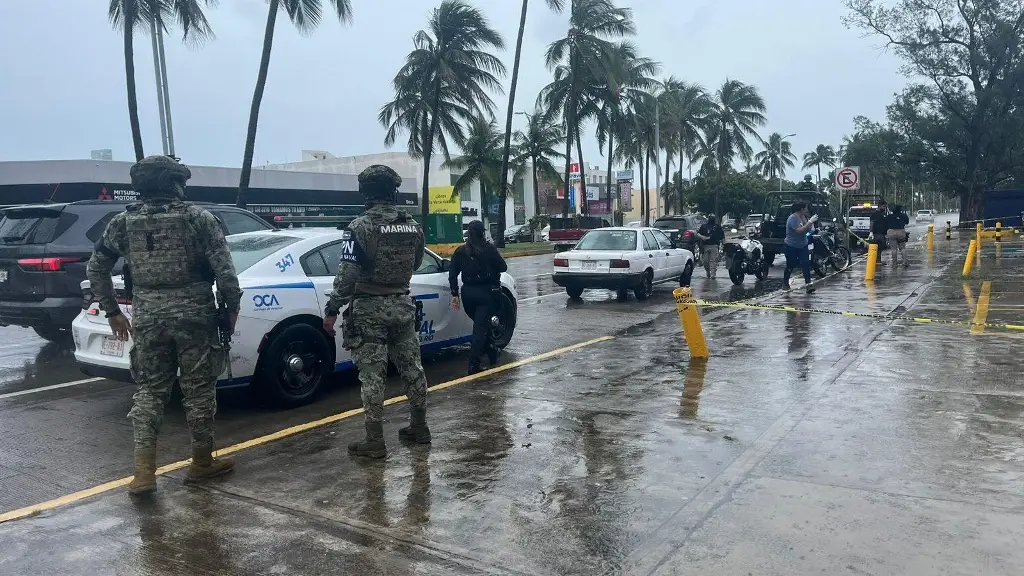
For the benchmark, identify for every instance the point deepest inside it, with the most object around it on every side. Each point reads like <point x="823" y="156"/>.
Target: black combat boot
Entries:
<point x="373" y="446"/>
<point x="417" y="430"/>
<point x="492" y="355"/>
<point x="474" y="366"/>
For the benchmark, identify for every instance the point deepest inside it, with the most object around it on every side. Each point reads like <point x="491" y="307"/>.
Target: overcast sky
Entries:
<point x="62" y="90"/>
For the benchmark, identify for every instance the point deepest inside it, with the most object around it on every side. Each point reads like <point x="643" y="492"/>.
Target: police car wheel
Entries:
<point x="501" y="334"/>
<point x="294" y="366"/>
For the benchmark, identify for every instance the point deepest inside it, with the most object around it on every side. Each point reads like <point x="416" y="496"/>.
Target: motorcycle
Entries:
<point x="745" y="256"/>
<point x="825" y="251"/>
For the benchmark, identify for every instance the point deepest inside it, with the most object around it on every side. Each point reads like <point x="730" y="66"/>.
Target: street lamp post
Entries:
<point x="780" y="157"/>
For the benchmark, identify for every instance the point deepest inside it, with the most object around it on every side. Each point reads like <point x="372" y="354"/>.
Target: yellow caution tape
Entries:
<point x="887" y="317"/>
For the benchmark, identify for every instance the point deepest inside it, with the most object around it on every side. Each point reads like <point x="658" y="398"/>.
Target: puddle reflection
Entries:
<point x="692" y="387"/>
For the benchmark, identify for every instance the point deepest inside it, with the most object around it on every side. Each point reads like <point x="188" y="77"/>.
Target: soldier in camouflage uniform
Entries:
<point x="175" y="252"/>
<point x="383" y="248"/>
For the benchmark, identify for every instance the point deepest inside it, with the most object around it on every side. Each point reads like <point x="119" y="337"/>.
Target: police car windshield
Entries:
<point x="248" y="249"/>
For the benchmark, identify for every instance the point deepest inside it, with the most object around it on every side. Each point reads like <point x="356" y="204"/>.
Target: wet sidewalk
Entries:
<point x="808" y="444"/>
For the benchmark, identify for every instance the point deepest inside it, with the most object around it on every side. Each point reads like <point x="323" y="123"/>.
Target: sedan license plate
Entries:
<point x="589" y="266"/>
<point x="112" y="347"/>
<point x="3" y="275"/>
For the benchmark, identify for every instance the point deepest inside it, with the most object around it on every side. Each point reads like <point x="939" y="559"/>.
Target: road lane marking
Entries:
<point x="981" y="314"/>
<point x="45" y="388"/>
<point x="280" y="434"/>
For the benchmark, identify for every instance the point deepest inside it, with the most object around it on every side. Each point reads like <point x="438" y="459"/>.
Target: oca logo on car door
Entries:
<point x="265" y="301"/>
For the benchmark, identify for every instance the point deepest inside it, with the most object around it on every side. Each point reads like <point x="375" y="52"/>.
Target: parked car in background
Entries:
<point x="752" y="225"/>
<point x="925" y="216"/>
<point x="622" y="259"/>
<point x="44" y="250"/>
<point x="518" y="233"/>
<point x="682" y="230"/>
<point x="566" y="232"/>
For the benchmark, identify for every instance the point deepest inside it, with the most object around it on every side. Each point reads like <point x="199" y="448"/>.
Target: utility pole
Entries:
<point x="159" y="84"/>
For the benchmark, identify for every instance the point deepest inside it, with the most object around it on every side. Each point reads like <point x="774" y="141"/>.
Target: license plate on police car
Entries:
<point x="589" y="266"/>
<point x="112" y="346"/>
<point x="3" y="275"/>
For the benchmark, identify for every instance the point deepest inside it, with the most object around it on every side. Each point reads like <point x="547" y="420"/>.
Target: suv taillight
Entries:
<point x="688" y="235"/>
<point x="561" y="263"/>
<point x="52" y="264"/>
<point x="618" y="264"/>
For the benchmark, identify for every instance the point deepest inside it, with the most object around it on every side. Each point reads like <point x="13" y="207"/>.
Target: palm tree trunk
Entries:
<point x="819" y="177"/>
<point x="570" y="116"/>
<point x="568" y="163"/>
<point x="584" y="205"/>
<point x="640" y="176"/>
<point x="536" y="188"/>
<point x="428" y="149"/>
<point x="668" y="178"/>
<point x="647" y="179"/>
<point x="618" y="200"/>
<point x="254" y="110"/>
<point x="129" y="75"/>
<point x="503" y="191"/>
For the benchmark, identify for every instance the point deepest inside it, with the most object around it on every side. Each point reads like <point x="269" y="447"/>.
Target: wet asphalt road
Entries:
<point x="808" y="444"/>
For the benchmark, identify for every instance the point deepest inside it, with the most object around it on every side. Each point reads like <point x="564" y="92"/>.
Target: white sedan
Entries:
<point x="279" y="345"/>
<point x="622" y="259"/>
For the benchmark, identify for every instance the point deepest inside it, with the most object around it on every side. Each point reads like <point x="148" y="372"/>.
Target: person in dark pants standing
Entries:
<point x="481" y="266"/>
<point x="799" y="224"/>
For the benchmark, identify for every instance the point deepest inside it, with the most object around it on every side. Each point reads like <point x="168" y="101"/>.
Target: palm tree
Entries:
<point x="770" y="163"/>
<point x="577" y="59"/>
<point x="822" y="154"/>
<point x="688" y="111"/>
<point x="738" y="113"/>
<point x="628" y="78"/>
<point x="557" y="6"/>
<point x="538" y="144"/>
<point x="636" y="144"/>
<point x="444" y="82"/>
<point x="131" y="16"/>
<point x="305" y="15"/>
<point x="481" y="159"/>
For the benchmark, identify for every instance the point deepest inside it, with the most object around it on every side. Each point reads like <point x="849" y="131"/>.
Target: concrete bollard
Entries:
<point x="869" y="271"/>
<point x="692" y="331"/>
<point x="969" y="261"/>
<point x="931" y="237"/>
<point x="999" y="231"/>
<point x="949" y="230"/>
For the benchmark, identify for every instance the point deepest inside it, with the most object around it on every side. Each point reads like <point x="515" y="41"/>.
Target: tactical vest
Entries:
<point x="161" y="248"/>
<point x="392" y="248"/>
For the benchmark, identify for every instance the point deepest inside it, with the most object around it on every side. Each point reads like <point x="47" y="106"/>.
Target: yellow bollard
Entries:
<point x="692" y="331"/>
<point x="869" y="272"/>
<point x="999" y="231"/>
<point x="969" y="261"/>
<point x="949" y="230"/>
<point x="931" y="237"/>
<point x="977" y="233"/>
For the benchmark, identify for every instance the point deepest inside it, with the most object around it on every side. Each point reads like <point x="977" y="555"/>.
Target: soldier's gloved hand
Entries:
<point x="121" y="326"/>
<point x="329" y="324"/>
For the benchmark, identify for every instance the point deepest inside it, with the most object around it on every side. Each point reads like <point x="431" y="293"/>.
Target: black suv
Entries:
<point x="682" y="230"/>
<point x="44" y="250"/>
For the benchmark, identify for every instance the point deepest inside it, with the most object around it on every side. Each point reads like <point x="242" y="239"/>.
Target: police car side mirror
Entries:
<point x="446" y="265"/>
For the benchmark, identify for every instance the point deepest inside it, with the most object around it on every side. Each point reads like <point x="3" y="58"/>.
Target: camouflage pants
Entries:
<point x="382" y="325"/>
<point x="159" y="351"/>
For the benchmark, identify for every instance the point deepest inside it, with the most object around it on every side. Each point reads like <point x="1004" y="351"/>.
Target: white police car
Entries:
<point x="279" y="346"/>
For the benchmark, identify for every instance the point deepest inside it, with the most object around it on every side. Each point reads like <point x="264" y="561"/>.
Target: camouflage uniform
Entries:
<point x="175" y="251"/>
<point x="384" y="248"/>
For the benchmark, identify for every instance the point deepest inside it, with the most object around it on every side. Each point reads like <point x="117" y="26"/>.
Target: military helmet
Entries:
<point x="159" y="175"/>
<point x="379" y="182"/>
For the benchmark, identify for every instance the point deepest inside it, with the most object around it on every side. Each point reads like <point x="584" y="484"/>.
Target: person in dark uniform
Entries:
<point x="481" y="266"/>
